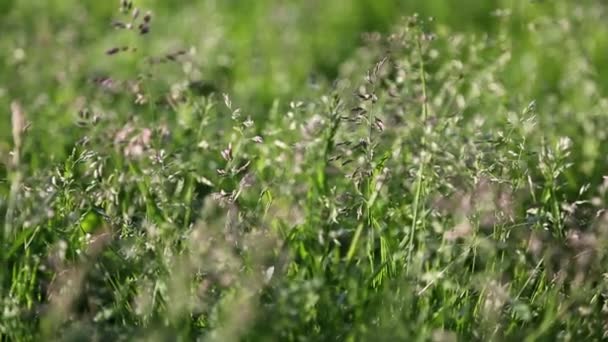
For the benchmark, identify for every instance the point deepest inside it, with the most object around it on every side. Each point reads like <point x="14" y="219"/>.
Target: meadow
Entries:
<point x="271" y="170"/>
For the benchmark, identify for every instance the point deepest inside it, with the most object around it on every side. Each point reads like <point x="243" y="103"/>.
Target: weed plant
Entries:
<point x="426" y="194"/>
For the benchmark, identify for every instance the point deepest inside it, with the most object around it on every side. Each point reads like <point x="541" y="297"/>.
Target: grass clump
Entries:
<point x="434" y="191"/>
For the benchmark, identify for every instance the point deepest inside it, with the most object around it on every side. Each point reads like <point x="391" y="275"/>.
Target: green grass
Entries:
<point x="278" y="172"/>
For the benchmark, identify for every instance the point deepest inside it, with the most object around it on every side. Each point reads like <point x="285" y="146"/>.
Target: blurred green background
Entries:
<point x="262" y="50"/>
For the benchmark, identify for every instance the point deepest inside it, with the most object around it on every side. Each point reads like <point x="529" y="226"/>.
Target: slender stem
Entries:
<point x="370" y="176"/>
<point x="368" y="191"/>
<point x="353" y="245"/>
<point x="371" y="119"/>
<point x="425" y="107"/>
<point x="15" y="177"/>
<point x="370" y="155"/>
<point x="421" y="169"/>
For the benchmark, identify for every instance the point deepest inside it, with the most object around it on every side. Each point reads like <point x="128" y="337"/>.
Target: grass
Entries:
<point x="279" y="176"/>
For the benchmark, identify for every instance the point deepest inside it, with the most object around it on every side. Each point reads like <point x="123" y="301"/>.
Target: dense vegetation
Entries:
<point x="303" y="170"/>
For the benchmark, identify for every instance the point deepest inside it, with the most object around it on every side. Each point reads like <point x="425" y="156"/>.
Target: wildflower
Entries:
<point x="227" y="153"/>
